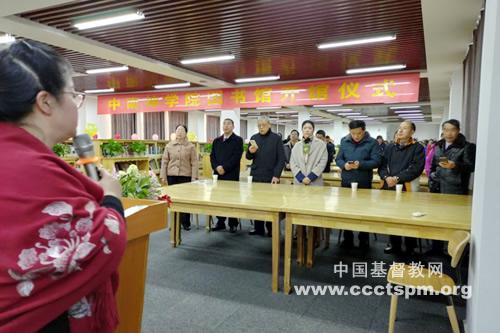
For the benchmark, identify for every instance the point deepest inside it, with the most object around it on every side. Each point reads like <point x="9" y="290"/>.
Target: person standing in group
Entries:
<point x="63" y="234"/>
<point x="452" y="165"/>
<point x="402" y="163"/>
<point x="359" y="155"/>
<point x="429" y="155"/>
<point x="268" y="160"/>
<point x="330" y="147"/>
<point x="294" y="138"/>
<point x="309" y="157"/>
<point x="225" y="159"/>
<point x="381" y="143"/>
<point x="180" y="165"/>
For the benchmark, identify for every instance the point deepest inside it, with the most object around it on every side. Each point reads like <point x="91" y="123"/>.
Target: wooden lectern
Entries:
<point x="133" y="267"/>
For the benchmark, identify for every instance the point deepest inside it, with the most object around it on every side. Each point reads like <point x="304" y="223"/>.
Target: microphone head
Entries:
<point x="83" y="145"/>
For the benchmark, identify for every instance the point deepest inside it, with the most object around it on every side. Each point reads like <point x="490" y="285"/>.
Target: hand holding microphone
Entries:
<point x="84" y="147"/>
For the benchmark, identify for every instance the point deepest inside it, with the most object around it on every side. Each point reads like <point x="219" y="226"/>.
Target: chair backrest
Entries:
<point x="456" y="245"/>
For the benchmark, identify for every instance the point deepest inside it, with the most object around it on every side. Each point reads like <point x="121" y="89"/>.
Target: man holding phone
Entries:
<point x="359" y="155"/>
<point x="453" y="162"/>
<point x="268" y="160"/>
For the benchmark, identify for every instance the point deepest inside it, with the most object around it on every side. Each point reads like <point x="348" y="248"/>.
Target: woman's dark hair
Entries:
<point x="26" y="68"/>
<point x="295" y="132"/>
<point x="307" y="122"/>
<point x="357" y="124"/>
<point x="412" y="124"/>
<point x="452" y="122"/>
<point x="180" y="125"/>
<point x="320" y="132"/>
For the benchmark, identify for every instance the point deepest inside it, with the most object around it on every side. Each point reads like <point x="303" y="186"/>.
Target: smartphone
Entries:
<point x="443" y="159"/>
<point x="350" y="162"/>
<point x="253" y="143"/>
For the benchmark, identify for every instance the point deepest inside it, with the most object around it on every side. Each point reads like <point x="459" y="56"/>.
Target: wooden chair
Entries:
<point x="456" y="246"/>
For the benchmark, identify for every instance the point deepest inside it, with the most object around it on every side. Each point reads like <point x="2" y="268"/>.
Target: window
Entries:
<point x="154" y="123"/>
<point x="123" y="124"/>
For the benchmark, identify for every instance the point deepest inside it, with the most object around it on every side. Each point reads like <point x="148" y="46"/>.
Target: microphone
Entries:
<point x="85" y="150"/>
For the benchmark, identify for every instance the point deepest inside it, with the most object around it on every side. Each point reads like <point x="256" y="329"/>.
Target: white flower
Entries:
<point x="52" y="231"/>
<point x="112" y="223"/>
<point x="84" y="225"/>
<point x="81" y="309"/>
<point x="27" y="258"/>
<point x="90" y="207"/>
<point x="58" y="208"/>
<point x="83" y="250"/>
<point x="25" y="288"/>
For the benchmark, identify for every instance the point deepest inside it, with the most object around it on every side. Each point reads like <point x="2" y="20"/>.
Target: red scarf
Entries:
<point x="59" y="249"/>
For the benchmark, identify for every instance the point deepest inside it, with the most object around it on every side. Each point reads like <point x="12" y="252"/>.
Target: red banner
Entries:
<point x="393" y="88"/>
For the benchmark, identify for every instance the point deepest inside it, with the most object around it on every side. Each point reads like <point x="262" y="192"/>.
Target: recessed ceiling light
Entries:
<point x="105" y="21"/>
<point x="107" y="70"/>
<point x="97" y="91"/>
<point x="7" y="39"/>
<point x="172" y="85"/>
<point x="357" y="41"/>
<point x="257" y="79"/>
<point x="326" y="105"/>
<point x="404" y="107"/>
<point x="202" y="60"/>
<point x="268" y="107"/>
<point x="407" y="111"/>
<point x="339" y="110"/>
<point x="375" y="69"/>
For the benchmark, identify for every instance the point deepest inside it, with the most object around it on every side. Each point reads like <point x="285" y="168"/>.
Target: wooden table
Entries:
<point x="254" y="201"/>
<point x="333" y="179"/>
<point x="373" y="211"/>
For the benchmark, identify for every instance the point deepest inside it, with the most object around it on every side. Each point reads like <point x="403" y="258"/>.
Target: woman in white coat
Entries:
<point x="309" y="157"/>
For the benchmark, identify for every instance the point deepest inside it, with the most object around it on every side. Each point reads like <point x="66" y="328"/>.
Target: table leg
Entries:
<point x="300" y="244"/>
<point x="288" y="255"/>
<point x="310" y="246"/>
<point x="173" y="230"/>
<point x="276" y="253"/>
<point x="178" y="230"/>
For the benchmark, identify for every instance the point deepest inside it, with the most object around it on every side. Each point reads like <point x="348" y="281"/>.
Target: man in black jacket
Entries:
<point x="266" y="151"/>
<point x="453" y="162"/>
<point x="330" y="148"/>
<point x="225" y="159"/>
<point x="402" y="162"/>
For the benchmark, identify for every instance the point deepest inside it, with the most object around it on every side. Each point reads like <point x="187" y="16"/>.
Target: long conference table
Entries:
<point x="374" y="211"/>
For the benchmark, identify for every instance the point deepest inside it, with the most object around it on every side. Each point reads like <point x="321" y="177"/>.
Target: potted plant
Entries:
<point x="137" y="148"/>
<point x="139" y="185"/>
<point x="61" y="149"/>
<point x="112" y="148"/>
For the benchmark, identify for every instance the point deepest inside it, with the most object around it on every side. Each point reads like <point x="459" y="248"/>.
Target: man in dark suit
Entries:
<point x="225" y="159"/>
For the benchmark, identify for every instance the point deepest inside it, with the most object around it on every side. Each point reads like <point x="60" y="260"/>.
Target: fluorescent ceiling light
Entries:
<point x="411" y="115"/>
<point x="407" y="111"/>
<point x="107" y="70"/>
<point x="207" y="59"/>
<point x="268" y="107"/>
<point x="257" y="79"/>
<point x="286" y="112"/>
<point x="349" y="114"/>
<point x="357" y="41"/>
<point x="404" y="107"/>
<point x="326" y="106"/>
<point x="172" y="85"/>
<point x="357" y="117"/>
<point x="97" y="91"/>
<point x="375" y="69"/>
<point x="101" y="22"/>
<point x="7" y="39"/>
<point x="339" y="110"/>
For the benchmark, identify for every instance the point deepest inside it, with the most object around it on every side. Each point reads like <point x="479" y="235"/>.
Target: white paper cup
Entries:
<point x="215" y="177"/>
<point x="354" y="186"/>
<point x="249" y="179"/>
<point x="399" y="188"/>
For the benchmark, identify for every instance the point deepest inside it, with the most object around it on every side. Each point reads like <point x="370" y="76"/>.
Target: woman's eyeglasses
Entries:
<point x="78" y="97"/>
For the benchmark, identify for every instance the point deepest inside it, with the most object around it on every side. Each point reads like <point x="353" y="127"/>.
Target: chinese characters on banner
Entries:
<point x="393" y="88"/>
